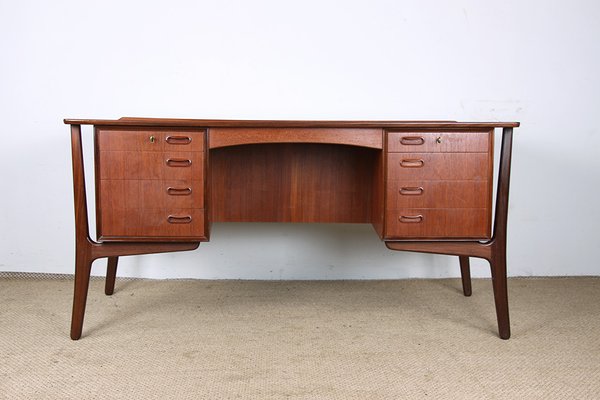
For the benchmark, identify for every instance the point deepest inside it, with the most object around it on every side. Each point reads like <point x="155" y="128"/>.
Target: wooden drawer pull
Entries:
<point x="178" y="139"/>
<point x="179" y="191"/>
<point x="179" y="162"/>
<point x="411" y="191"/>
<point x="412" y="140"/>
<point x="412" y="163"/>
<point x="411" y="219"/>
<point x="174" y="219"/>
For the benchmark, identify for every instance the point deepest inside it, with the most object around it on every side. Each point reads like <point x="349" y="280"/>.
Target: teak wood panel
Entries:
<point x="438" y="194"/>
<point x="378" y="194"/>
<point x="439" y="142"/>
<point x="143" y="177"/>
<point x="364" y="137"/>
<point x="292" y="183"/>
<point x="145" y="194"/>
<point x="150" y="139"/>
<point x="154" y="224"/>
<point x="179" y="123"/>
<point x="439" y="223"/>
<point x="150" y="165"/>
<point x="438" y="166"/>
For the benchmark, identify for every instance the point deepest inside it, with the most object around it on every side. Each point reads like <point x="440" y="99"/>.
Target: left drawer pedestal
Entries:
<point x="150" y="184"/>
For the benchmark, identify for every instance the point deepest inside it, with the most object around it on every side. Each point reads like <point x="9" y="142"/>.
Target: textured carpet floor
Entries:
<point x="198" y="339"/>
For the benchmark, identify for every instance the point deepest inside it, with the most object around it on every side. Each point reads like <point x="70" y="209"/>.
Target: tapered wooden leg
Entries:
<point x="498" y="267"/>
<point x="494" y="251"/>
<point x="83" y="266"/>
<point x="111" y="274"/>
<point x="86" y="250"/>
<point x="465" y="274"/>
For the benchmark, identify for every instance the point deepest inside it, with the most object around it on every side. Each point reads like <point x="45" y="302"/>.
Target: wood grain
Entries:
<point x="208" y="123"/>
<point x="439" y="142"/>
<point x="438" y="223"/>
<point x="149" y="139"/>
<point x="438" y="166"/>
<point x="136" y="223"/>
<point x="149" y="165"/>
<point x="222" y="137"/>
<point x="441" y="182"/>
<point x="378" y="194"/>
<point x="292" y="183"/>
<point x="143" y="176"/>
<point x="134" y="193"/>
<point x="442" y="194"/>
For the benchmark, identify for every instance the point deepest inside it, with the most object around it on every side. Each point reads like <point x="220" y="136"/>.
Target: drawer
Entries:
<point x="146" y="194"/>
<point x="439" y="166"/>
<point x="423" y="223"/>
<point x="150" y="165"/>
<point x="438" y="194"/>
<point x="140" y="139"/>
<point x="152" y="223"/>
<point x="440" y="142"/>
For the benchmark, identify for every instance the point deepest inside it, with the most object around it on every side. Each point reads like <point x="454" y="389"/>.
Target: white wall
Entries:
<point x="534" y="61"/>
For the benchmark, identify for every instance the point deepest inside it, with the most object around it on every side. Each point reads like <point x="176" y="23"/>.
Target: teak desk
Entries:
<point x="425" y="186"/>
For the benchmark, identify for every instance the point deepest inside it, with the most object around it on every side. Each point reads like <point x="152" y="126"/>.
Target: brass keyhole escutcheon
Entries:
<point x="152" y="139"/>
<point x="438" y="140"/>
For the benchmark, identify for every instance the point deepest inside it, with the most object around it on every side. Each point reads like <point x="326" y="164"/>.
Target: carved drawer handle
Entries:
<point x="412" y="163"/>
<point x="175" y="219"/>
<point x="179" y="162"/>
<point x="178" y="139"/>
<point x="411" y="191"/>
<point x="179" y="191"/>
<point x="411" y="219"/>
<point x="412" y="140"/>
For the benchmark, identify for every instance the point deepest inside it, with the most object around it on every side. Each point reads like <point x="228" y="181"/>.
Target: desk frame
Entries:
<point x="494" y="250"/>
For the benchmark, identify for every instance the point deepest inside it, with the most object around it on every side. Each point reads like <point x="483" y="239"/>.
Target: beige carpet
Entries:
<point x="181" y="339"/>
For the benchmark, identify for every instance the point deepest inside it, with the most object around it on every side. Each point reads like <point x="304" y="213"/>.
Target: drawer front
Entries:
<point x="438" y="194"/>
<point x="150" y="165"/>
<point x="439" y="142"/>
<point x="152" y="224"/>
<point x="147" y="194"/>
<point x="422" y="223"/>
<point x="139" y="139"/>
<point x="438" y="166"/>
<point x="150" y="184"/>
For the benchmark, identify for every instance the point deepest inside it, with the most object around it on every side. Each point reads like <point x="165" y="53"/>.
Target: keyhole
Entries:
<point x="152" y="139"/>
<point x="438" y="140"/>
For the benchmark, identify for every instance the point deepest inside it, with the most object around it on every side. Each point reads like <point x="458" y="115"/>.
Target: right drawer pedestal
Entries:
<point x="438" y="185"/>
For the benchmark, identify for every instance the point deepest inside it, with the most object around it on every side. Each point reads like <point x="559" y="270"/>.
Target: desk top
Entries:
<point x="223" y="123"/>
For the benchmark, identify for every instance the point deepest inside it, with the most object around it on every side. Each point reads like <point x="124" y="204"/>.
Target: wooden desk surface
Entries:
<point x="223" y="123"/>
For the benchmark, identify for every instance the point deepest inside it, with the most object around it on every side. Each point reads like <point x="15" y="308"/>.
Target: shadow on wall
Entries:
<point x="290" y="251"/>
